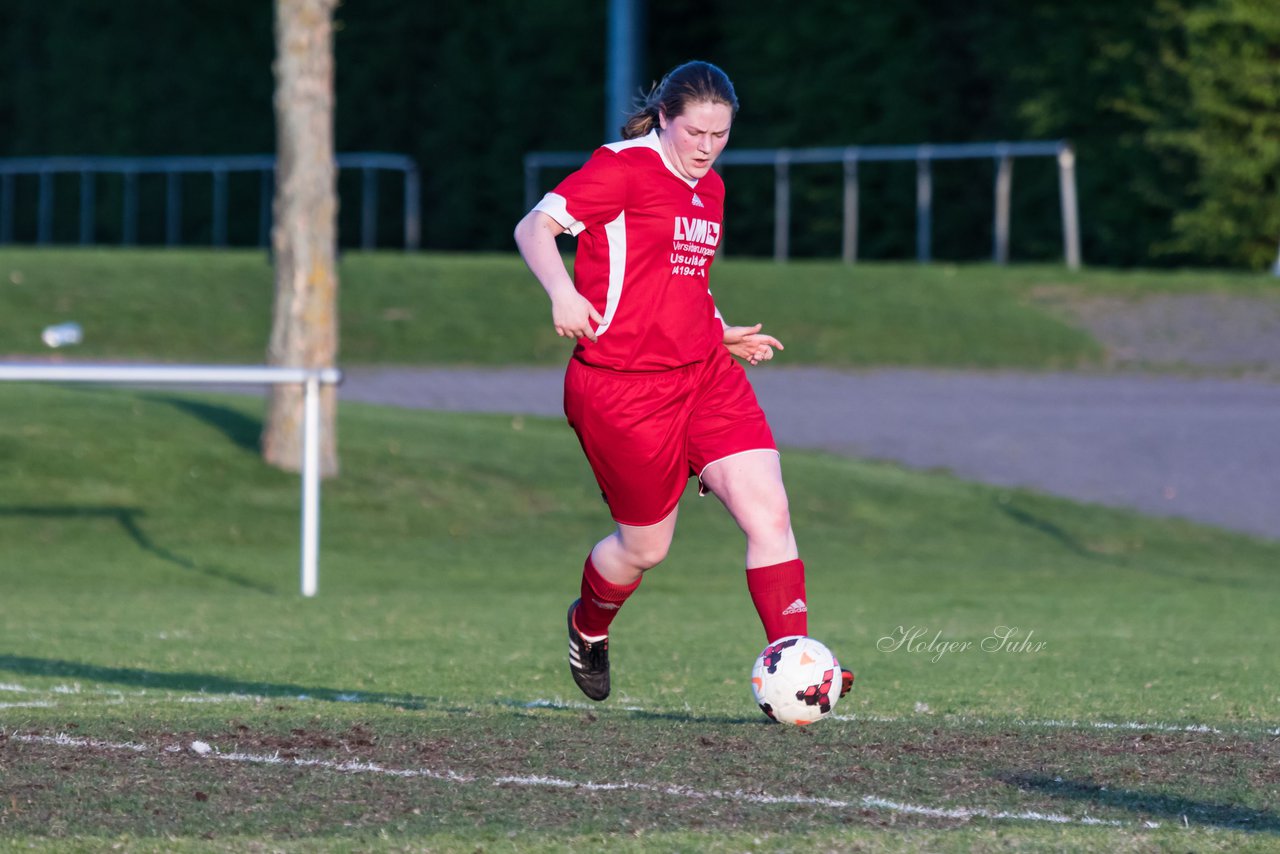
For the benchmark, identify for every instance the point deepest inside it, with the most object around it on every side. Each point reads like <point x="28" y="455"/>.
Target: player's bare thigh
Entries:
<point x="750" y="486"/>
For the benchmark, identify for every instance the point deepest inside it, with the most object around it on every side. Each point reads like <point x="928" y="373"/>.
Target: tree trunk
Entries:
<point x="304" y="331"/>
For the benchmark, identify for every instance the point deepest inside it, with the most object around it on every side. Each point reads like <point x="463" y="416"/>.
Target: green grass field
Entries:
<point x="164" y="687"/>
<point x="421" y="701"/>
<point x="205" y="306"/>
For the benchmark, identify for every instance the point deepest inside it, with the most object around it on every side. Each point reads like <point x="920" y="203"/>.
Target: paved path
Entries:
<point x="1204" y="449"/>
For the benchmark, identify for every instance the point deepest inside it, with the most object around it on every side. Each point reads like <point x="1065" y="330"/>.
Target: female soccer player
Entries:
<point x="652" y="390"/>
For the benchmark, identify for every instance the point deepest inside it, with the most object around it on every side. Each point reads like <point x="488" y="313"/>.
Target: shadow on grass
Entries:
<point x="1073" y="544"/>
<point x="244" y="431"/>
<point x="529" y="707"/>
<point x="205" y="683"/>
<point x="1050" y="530"/>
<point x="1169" y="807"/>
<point x="198" y="683"/>
<point x="127" y="519"/>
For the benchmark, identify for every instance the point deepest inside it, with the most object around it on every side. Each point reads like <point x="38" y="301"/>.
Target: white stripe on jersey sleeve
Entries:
<point x="719" y="316"/>
<point x="556" y="206"/>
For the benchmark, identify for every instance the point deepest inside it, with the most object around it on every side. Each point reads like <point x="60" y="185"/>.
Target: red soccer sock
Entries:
<point x="778" y="594"/>
<point x="601" y="600"/>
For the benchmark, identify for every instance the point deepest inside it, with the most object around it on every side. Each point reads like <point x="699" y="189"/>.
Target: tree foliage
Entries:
<point x="1169" y="103"/>
<point x="1226" y="58"/>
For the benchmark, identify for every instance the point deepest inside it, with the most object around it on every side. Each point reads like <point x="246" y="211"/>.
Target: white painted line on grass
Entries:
<point x="232" y="698"/>
<point x="1036" y="724"/>
<point x="64" y="740"/>
<point x="888" y="719"/>
<point x="1130" y="725"/>
<point x="34" y="704"/>
<point x="967" y="813"/>
<point x="675" y="791"/>
<point x="344" y="767"/>
<point x="564" y="705"/>
<point x="202" y="750"/>
<point x="568" y="706"/>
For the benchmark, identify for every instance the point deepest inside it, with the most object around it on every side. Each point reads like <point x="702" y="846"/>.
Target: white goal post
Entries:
<point x="309" y="378"/>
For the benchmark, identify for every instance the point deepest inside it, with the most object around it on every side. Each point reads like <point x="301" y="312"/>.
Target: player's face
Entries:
<point x="694" y="139"/>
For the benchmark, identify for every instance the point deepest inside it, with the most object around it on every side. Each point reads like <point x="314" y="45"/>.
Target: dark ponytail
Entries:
<point x="692" y="83"/>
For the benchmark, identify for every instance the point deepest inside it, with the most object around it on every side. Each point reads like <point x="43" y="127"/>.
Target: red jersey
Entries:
<point x="646" y="239"/>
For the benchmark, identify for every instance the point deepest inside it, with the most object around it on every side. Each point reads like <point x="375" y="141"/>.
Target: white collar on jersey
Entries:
<point x="650" y="140"/>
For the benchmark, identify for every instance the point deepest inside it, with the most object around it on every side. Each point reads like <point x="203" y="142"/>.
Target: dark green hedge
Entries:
<point x="468" y="88"/>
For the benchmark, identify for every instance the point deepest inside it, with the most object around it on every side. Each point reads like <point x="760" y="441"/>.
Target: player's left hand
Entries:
<point x="750" y="344"/>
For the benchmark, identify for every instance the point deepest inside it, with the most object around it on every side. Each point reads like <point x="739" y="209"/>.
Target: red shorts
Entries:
<point x="646" y="434"/>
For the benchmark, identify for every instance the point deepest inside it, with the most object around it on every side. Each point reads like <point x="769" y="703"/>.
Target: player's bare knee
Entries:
<point x="769" y="525"/>
<point x="773" y="517"/>
<point x="647" y="555"/>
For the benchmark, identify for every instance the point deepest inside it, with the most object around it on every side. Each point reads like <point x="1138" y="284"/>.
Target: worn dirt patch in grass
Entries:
<point x="581" y="775"/>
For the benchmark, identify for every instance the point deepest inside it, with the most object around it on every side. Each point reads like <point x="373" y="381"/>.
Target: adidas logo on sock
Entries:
<point x="796" y="607"/>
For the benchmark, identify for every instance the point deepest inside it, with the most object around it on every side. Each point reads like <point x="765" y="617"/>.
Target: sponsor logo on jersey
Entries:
<point x="697" y="202"/>
<point x="694" y="230"/>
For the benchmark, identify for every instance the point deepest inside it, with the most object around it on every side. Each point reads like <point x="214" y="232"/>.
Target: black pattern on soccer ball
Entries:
<point x="818" y="695"/>
<point x="773" y="654"/>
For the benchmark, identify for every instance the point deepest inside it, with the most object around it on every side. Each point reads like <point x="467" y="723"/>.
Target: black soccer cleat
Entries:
<point x="588" y="661"/>
<point x="846" y="682"/>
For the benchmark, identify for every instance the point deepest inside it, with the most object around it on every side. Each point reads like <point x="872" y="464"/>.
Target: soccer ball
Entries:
<point x="796" y="680"/>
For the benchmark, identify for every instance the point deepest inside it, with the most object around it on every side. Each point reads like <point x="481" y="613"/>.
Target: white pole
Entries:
<point x="175" y="374"/>
<point x="311" y="378"/>
<point x="310" y="485"/>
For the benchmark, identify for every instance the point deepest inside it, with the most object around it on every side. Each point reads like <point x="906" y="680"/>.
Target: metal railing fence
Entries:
<point x="782" y="159"/>
<point x="218" y="168"/>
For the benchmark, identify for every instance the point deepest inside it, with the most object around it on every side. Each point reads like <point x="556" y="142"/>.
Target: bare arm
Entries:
<point x="571" y="312"/>
<point x="748" y="342"/>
